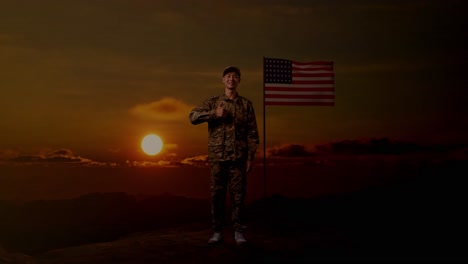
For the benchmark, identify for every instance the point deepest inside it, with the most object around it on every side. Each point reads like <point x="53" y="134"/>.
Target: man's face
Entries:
<point x="231" y="80"/>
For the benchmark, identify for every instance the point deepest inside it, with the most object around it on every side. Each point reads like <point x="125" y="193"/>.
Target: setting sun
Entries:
<point x="151" y="144"/>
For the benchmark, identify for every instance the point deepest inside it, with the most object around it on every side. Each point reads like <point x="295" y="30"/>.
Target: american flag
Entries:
<point x="289" y="82"/>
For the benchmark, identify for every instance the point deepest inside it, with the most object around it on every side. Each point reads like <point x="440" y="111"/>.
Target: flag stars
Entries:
<point x="278" y="71"/>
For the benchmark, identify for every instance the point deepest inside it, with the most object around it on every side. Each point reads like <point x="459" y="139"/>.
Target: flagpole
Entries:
<point x="264" y="134"/>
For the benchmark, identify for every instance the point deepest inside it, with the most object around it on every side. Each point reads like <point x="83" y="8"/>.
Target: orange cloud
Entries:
<point x="148" y="164"/>
<point x="197" y="161"/>
<point x="201" y="160"/>
<point x="167" y="108"/>
<point x="50" y="156"/>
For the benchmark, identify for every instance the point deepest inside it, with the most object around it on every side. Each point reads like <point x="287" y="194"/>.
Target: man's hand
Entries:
<point x="220" y="111"/>
<point x="249" y="166"/>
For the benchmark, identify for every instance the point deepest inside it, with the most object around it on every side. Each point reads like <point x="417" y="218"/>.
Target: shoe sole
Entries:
<point x="215" y="242"/>
<point x="241" y="243"/>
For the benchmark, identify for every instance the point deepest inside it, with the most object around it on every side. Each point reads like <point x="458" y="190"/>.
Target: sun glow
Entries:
<point x="152" y="144"/>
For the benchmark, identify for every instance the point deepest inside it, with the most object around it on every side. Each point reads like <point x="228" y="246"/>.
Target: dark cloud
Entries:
<point x="50" y="159"/>
<point x="290" y="150"/>
<point x="384" y="146"/>
<point x="372" y="146"/>
<point x="64" y="159"/>
<point x="61" y="156"/>
<point x="56" y="156"/>
<point x="27" y="159"/>
<point x="63" y="152"/>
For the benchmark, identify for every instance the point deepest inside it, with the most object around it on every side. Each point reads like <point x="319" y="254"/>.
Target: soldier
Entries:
<point x="233" y="141"/>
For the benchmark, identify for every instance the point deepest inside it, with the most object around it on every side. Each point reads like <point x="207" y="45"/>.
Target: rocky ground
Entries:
<point x="418" y="220"/>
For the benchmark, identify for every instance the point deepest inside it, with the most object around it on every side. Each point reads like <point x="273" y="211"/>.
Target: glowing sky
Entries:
<point x="93" y="77"/>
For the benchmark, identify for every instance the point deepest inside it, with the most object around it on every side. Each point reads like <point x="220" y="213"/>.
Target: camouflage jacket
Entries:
<point x="232" y="137"/>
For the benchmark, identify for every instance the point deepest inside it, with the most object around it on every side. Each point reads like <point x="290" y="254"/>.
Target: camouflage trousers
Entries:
<point x="224" y="175"/>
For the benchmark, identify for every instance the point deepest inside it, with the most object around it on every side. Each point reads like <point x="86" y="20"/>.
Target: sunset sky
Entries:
<point x="86" y="80"/>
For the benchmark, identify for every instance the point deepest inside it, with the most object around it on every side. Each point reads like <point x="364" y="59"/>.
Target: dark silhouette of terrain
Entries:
<point x="44" y="225"/>
<point x="417" y="218"/>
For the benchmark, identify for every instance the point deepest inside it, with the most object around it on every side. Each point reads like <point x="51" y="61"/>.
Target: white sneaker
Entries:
<point x="216" y="238"/>
<point x="239" y="238"/>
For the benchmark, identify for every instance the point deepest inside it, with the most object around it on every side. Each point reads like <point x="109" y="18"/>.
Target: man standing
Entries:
<point x="233" y="141"/>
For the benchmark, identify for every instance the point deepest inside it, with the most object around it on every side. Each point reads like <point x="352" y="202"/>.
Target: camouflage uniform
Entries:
<point x="232" y="141"/>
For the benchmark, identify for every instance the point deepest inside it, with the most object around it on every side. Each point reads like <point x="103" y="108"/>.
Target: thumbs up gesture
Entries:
<point x="220" y="111"/>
